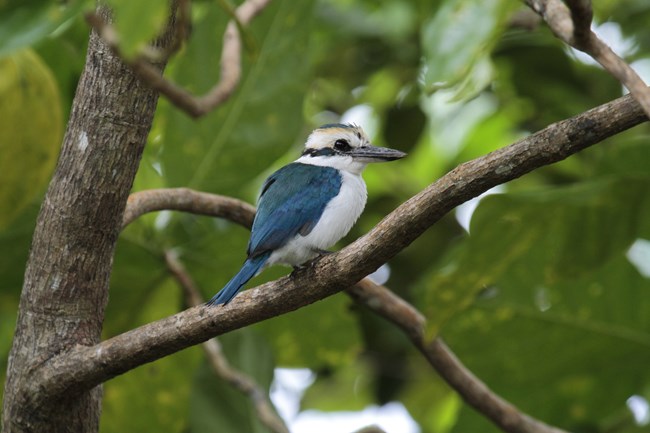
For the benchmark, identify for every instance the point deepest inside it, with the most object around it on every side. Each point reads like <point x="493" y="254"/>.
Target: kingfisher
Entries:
<point x="310" y="204"/>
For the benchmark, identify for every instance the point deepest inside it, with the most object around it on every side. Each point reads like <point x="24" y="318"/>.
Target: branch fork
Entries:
<point x="195" y="106"/>
<point x="571" y="21"/>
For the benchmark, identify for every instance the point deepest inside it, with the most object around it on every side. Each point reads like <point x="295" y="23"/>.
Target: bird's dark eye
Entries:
<point x="342" y="145"/>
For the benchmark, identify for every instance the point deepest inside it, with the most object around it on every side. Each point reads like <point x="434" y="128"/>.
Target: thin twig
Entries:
<point x="195" y="106"/>
<point x="571" y="22"/>
<point x="83" y="367"/>
<point x="182" y="27"/>
<point x="217" y="359"/>
<point x="525" y="19"/>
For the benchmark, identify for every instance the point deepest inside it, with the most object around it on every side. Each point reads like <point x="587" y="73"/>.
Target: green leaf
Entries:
<point x="628" y="158"/>
<point x="456" y="41"/>
<point x="26" y="22"/>
<point x="547" y="236"/>
<point x="137" y="23"/>
<point x="30" y="97"/>
<point x="567" y="226"/>
<point x="570" y="353"/>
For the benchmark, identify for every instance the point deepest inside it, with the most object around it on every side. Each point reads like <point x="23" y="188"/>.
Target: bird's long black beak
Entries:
<point x="376" y="154"/>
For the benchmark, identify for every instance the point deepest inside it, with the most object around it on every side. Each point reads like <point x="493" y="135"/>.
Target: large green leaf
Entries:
<point x="30" y="130"/>
<point x="570" y="353"/>
<point x="547" y="236"/>
<point x="629" y="157"/>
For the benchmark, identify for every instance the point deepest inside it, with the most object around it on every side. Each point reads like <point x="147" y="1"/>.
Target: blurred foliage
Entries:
<point x="30" y="96"/>
<point x="544" y="297"/>
<point x="29" y="22"/>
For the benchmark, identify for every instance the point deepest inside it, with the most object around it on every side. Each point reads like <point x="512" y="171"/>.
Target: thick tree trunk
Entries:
<point x="66" y="281"/>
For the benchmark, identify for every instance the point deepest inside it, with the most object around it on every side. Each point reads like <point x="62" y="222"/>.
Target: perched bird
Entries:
<point x="310" y="204"/>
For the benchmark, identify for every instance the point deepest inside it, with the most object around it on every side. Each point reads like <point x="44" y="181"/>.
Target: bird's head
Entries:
<point x="344" y="147"/>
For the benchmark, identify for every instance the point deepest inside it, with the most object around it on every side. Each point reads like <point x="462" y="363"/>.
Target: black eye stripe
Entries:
<point x="326" y="151"/>
<point x="341" y="146"/>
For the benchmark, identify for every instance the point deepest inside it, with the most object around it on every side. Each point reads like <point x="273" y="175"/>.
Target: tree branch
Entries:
<point x="217" y="359"/>
<point x="385" y="303"/>
<point x="571" y="22"/>
<point x="83" y="367"/>
<point x="188" y="200"/>
<point x="476" y="393"/>
<point x="195" y="106"/>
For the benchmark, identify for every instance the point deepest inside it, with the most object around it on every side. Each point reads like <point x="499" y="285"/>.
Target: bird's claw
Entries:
<point x="310" y="263"/>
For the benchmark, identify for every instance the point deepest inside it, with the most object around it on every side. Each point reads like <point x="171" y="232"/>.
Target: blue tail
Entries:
<point x="247" y="271"/>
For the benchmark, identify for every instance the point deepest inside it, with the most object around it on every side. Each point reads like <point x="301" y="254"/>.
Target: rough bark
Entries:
<point x="66" y="280"/>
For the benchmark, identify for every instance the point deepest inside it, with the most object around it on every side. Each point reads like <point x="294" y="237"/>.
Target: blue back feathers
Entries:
<point x="292" y="201"/>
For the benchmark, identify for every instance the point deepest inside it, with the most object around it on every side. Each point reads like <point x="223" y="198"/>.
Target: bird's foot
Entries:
<point x="310" y="263"/>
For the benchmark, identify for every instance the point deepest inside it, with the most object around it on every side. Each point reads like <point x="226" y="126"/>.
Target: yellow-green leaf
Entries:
<point x="31" y="123"/>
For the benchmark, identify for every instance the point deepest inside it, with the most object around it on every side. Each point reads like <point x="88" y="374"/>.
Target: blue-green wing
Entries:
<point x="292" y="201"/>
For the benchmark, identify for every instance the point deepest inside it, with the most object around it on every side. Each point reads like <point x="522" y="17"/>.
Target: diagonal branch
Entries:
<point x="83" y="367"/>
<point x="571" y="22"/>
<point x="217" y="359"/>
<point x="195" y="106"/>
<point x="476" y="393"/>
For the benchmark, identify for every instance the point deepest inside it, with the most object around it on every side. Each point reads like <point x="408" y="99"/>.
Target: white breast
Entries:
<point x="339" y="216"/>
